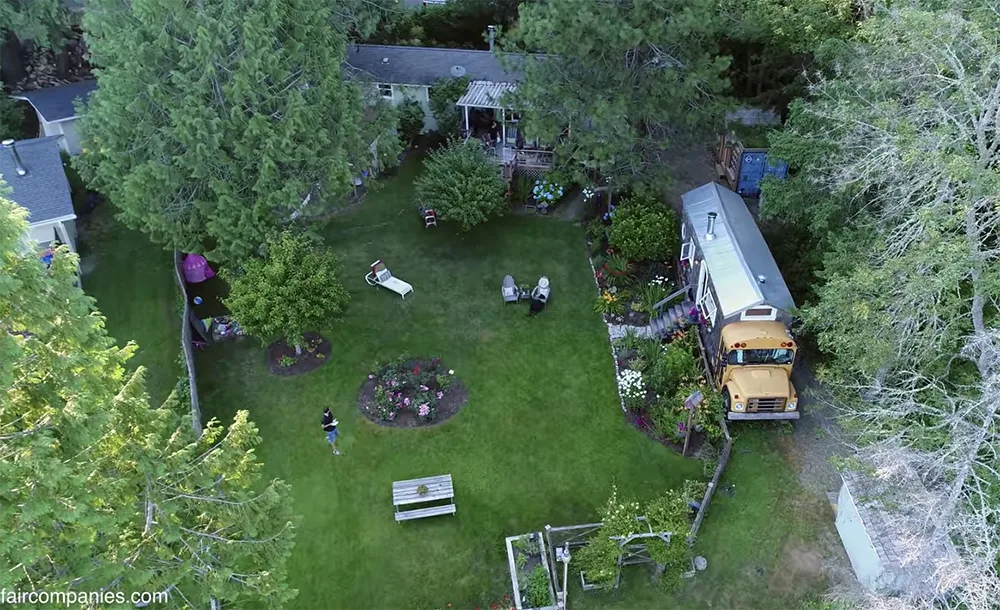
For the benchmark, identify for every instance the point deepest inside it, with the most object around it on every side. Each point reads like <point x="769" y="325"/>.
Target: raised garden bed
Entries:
<point x="408" y="393"/>
<point x="530" y="573"/>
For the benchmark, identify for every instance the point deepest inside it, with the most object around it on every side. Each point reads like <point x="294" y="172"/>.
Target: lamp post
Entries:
<point x="562" y="554"/>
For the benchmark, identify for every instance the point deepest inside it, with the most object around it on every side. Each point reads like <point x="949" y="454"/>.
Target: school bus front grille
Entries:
<point x="766" y="404"/>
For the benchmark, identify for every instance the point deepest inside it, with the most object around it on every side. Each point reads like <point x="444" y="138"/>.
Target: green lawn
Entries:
<point x="133" y="283"/>
<point x="540" y="441"/>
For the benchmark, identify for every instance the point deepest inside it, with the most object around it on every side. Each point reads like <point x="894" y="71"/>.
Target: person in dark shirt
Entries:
<point x="330" y="427"/>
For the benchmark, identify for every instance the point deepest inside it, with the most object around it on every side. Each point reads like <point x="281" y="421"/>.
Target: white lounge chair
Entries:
<point x="380" y="276"/>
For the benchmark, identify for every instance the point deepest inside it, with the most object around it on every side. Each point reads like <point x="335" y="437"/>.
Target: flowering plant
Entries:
<point x="610" y="302"/>
<point x="547" y="192"/>
<point x="632" y="389"/>
<point x="408" y="386"/>
<point x="589" y="192"/>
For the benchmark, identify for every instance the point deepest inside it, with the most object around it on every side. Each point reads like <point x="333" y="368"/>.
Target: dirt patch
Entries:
<point x="282" y="360"/>
<point x="451" y="402"/>
<point x="799" y="568"/>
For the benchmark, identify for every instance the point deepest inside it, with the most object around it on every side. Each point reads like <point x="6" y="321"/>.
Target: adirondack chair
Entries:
<point x="509" y="290"/>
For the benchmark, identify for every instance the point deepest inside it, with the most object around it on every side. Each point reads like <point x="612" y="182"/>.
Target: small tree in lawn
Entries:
<point x="463" y="183"/>
<point x="295" y="287"/>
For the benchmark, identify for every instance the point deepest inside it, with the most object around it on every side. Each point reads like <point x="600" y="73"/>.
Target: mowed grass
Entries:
<point x="133" y="283"/>
<point x="541" y="440"/>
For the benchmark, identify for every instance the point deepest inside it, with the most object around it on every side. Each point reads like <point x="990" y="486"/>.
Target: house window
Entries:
<point x="385" y="90"/>
<point x="708" y="308"/>
<point x="760" y="313"/>
<point x="702" y="283"/>
<point x="687" y="251"/>
<point x="684" y="231"/>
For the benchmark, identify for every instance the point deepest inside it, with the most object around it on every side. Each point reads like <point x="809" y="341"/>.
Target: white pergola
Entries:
<point x="486" y="94"/>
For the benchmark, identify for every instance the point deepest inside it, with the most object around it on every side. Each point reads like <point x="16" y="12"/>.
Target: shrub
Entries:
<point x="597" y="231"/>
<point x="520" y="189"/>
<point x="642" y="229"/>
<point x="538" y="588"/>
<point x="462" y="182"/>
<point x="295" y="288"/>
<point x="411" y="120"/>
<point x="677" y="364"/>
<point x="651" y="294"/>
<point x="547" y="192"/>
<point x="443" y="95"/>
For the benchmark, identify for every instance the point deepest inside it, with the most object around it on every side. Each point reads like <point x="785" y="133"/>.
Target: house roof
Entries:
<point x="737" y="257"/>
<point x="44" y="190"/>
<point x="424" y="65"/>
<point x="485" y="94"/>
<point x="886" y="510"/>
<point x="54" y="104"/>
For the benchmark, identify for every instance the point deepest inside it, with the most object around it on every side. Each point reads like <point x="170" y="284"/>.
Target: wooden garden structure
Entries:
<point x="632" y="549"/>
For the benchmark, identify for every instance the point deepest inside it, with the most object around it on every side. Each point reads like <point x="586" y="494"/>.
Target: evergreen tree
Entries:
<point x="42" y="21"/>
<point x="97" y="490"/>
<point x="215" y="119"/>
<point x="59" y="371"/>
<point x="622" y="82"/>
<point x="896" y="154"/>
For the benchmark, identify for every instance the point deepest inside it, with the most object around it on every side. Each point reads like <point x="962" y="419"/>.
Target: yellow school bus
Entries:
<point x="743" y="302"/>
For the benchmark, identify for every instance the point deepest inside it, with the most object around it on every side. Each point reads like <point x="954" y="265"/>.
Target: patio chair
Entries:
<point x="380" y="276"/>
<point x="542" y="290"/>
<point x="509" y="291"/>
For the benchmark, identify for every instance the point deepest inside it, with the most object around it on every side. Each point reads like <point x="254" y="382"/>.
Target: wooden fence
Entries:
<point x="187" y="345"/>
<point x="714" y="483"/>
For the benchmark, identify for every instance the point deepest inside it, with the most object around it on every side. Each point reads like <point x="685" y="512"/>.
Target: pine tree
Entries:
<point x="59" y="371"/>
<point x="42" y="21"/>
<point x="621" y="83"/>
<point x="215" y="119"/>
<point x="97" y="490"/>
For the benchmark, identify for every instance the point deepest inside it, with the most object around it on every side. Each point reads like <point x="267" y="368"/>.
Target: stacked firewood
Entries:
<point x="46" y="68"/>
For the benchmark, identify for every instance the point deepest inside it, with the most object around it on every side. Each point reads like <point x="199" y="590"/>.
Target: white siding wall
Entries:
<point x="70" y="142"/>
<point x="421" y="93"/>
<point x="45" y="232"/>
<point x="865" y="561"/>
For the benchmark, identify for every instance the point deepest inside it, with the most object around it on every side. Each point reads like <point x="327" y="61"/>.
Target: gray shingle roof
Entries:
<point x="44" y="190"/>
<point x="424" y="65"/>
<point x="56" y="103"/>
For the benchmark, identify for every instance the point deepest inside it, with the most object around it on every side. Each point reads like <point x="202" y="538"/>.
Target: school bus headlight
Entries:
<point x="738" y="406"/>
<point x="790" y="406"/>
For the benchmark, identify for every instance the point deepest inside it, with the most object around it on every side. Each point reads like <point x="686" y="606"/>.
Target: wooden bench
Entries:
<point x="405" y="493"/>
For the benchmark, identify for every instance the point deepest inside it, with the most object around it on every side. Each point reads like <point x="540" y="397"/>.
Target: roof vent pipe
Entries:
<point x="493" y="32"/>
<point x="9" y="145"/>
<point x="710" y="231"/>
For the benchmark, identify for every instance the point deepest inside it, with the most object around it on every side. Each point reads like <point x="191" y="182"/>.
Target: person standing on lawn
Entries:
<point x="330" y="427"/>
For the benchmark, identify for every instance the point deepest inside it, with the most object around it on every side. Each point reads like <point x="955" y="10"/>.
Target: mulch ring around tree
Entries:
<point x="281" y="358"/>
<point x="417" y="390"/>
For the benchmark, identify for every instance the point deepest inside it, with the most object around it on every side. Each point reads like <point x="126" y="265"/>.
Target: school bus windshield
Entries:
<point x="760" y="356"/>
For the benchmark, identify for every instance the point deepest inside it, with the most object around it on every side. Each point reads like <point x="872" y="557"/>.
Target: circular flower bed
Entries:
<point x="409" y="393"/>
